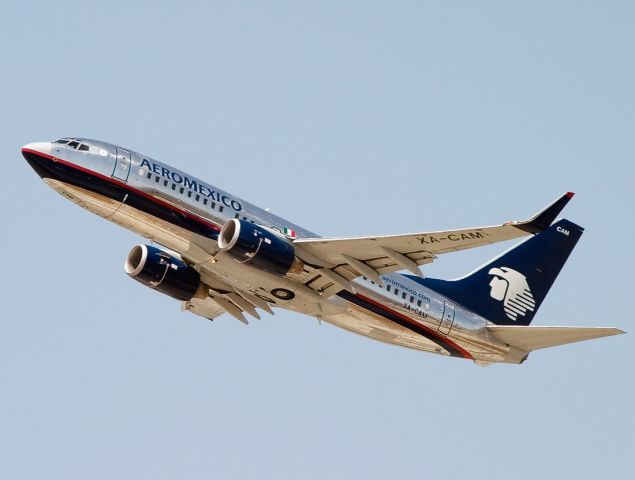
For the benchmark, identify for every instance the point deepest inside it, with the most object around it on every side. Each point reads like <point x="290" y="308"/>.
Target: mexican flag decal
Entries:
<point x="288" y="232"/>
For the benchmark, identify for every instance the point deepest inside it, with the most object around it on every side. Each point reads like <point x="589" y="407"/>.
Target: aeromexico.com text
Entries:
<point x="404" y="288"/>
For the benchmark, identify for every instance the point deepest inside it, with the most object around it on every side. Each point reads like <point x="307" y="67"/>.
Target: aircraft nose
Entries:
<point x="39" y="147"/>
<point x="37" y="155"/>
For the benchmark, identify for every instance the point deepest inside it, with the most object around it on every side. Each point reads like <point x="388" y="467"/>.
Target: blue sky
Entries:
<point x="350" y="118"/>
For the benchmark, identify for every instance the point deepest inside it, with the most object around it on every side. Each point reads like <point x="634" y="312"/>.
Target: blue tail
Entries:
<point x="511" y="287"/>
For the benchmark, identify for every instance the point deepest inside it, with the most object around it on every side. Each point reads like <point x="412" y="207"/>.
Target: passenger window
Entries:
<point x="149" y="175"/>
<point x="205" y="201"/>
<point x="157" y="179"/>
<point x="197" y="198"/>
<point x="174" y="186"/>
<point x="412" y="299"/>
<point x="221" y="208"/>
<point x="403" y="295"/>
<point x="396" y="291"/>
<point x="181" y="190"/>
<point x="189" y="194"/>
<point x="388" y="288"/>
<point x="418" y="303"/>
<point x="237" y="215"/>
<point x="165" y="183"/>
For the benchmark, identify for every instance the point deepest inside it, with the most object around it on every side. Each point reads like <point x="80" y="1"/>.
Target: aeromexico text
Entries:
<point x="192" y="185"/>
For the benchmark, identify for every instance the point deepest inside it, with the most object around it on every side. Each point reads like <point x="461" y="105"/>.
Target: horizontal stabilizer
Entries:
<point x="533" y="338"/>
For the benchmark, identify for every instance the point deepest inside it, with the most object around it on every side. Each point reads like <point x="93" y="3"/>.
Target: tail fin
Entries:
<point x="509" y="289"/>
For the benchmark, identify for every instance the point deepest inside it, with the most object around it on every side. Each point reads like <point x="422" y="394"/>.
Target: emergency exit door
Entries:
<point x="122" y="165"/>
<point x="447" y="320"/>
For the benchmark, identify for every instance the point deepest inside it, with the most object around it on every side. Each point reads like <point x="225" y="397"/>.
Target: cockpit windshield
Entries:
<point x="73" y="143"/>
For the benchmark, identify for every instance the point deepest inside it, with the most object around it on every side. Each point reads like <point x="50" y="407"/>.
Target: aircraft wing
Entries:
<point x="222" y="298"/>
<point x="348" y="258"/>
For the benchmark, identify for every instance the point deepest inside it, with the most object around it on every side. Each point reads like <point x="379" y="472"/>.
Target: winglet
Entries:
<point x="545" y="217"/>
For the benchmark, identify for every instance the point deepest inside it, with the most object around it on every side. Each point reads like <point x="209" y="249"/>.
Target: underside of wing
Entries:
<point x="342" y="259"/>
<point x="534" y="338"/>
<point x="219" y="297"/>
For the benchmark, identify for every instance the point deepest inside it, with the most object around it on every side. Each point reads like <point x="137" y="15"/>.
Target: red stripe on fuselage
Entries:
<point x="414" y="323"/>
<point x="164" y="204"/>
<point x="125" y="186"/>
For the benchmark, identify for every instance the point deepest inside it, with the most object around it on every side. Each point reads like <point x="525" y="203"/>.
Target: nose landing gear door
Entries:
<point x="122" y="165"/>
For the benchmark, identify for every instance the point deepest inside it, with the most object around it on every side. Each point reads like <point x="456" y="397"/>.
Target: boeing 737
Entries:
<point x="222" y="254"/>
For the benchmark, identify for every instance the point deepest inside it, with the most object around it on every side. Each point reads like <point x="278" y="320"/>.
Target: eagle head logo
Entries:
<point x="511" y="288"/>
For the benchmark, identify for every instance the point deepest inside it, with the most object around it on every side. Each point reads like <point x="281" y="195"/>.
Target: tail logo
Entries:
<point x="511" y="288"/>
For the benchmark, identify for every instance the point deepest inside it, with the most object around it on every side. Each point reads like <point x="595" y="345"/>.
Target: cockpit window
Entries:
<point x="75" y="143"/>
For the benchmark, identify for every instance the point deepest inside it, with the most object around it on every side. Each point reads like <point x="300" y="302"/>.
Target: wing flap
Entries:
<point x="219" y="297"/>
<point x="534" y="338"/>
<point x="206" y="308"/>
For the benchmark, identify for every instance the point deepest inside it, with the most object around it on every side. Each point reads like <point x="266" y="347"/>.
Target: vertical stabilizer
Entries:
<point x="509" y="289"/>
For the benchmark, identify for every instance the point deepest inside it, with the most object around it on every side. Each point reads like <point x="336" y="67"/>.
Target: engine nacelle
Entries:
<point x="161" y="271"/>
<point x="259" y="247"/>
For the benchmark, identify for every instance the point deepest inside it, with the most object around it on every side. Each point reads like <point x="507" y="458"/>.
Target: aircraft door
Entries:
<point x="122" y="165"/>
<point x="447" y="320"/>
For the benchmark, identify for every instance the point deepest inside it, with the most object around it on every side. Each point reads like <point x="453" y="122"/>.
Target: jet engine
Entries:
<point x="259" y="247"/>
<point x="161" y="271"/>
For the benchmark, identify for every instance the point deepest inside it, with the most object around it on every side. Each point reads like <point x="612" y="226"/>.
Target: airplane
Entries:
<point x="221" y="254"/>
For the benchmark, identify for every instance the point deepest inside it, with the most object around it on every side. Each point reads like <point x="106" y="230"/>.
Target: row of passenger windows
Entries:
<point x="396" y="291"/>
<point x="191" y="194"/>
